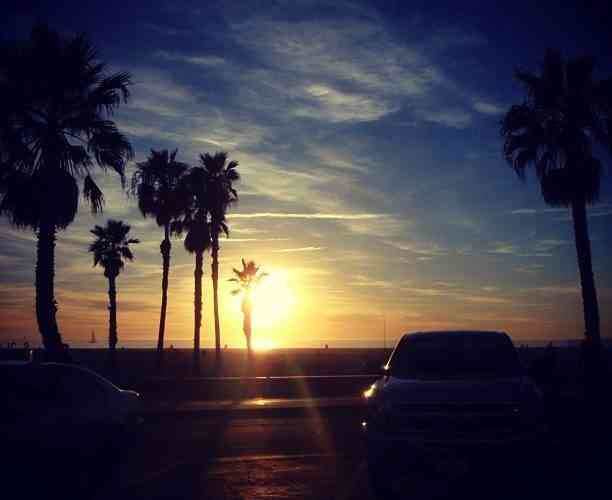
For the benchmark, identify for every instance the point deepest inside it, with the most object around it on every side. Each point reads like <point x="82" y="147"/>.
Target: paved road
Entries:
<point x="298" y="457"/>
<point x="227" y="458"/>
<point x="314" y="455"/>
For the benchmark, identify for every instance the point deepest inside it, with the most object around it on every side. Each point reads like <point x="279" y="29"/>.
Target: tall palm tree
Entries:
<point x="221" y="175"/>
<point x="565" y="111"/>
<point x="111" y="248"/>
<point x="197" y="241"/>
<point x="56" y="100"/>
<point x="157" y="184"/>
<point x="247" y="280"/>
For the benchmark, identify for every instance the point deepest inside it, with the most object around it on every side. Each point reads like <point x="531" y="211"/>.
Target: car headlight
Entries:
<point x="369" y="392"/>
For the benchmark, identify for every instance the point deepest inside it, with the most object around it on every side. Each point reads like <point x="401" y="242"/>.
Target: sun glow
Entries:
<point x="264" y="344"/>
<point x="273" y="300"/>
<point x="273" y="303"/>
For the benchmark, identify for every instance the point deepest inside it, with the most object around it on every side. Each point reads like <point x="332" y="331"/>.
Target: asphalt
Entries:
<point x="317" y="456"/>
<point x="212" y="451"/>
<point x="254" y="406"/>
<point x="232" y="455"/>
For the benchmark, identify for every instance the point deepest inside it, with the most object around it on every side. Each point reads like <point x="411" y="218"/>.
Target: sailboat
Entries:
<point x="92" y="340"/>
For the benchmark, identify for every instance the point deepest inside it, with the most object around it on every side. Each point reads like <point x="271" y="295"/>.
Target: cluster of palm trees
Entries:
<point x="56" y="105"/>
<point x="56" y="101"/>
<point x="192" y="201"/>
<point x="183" y="200"/>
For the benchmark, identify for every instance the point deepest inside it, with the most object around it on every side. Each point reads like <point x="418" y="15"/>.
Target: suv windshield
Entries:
<point x="454" y="356"/>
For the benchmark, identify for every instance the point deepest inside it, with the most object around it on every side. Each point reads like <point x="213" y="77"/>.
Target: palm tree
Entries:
<point x="247" y="280"/>
<point x="157" y="184"/>
<point x="220" y="177"/>
<point x="197" y="241"/>
<point x="564" y="112"/>
<point x="56" y="100"/>
<point x="110" y="249"/>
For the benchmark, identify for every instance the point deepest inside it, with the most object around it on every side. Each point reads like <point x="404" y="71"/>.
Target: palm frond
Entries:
<point x="59" y="148"/>
<point x="552" y="131"/>
<point x="111" y="246"/>
<point x="93" y="194"/>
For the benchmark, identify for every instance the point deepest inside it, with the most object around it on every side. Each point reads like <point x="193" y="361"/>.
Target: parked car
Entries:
<point x="62" y="406"/>
<point x="442" y="394"/>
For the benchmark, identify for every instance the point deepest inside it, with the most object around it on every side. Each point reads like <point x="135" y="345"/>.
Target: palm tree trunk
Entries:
<point x="587" y="281"/>
<point x="197" y="310"/>
<point x="592" y="343"/>
<point x="112" y="320"/>
<point x="165" y="251"/>
<point x="247" y="334"/>
<point x="46" y="306"/>
<point x="215" y="282"/>
<point x="246" y="324"/>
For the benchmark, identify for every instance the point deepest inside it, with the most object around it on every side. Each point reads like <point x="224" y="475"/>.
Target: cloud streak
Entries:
<point x="300" y="249"/>
<point x="323" y="216"/>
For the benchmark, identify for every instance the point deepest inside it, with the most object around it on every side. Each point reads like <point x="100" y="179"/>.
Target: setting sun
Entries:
<point x="273" y="300"/>
<point x="264" y="344"/>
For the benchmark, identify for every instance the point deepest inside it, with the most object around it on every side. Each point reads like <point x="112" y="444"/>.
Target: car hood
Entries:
<point x="455" y="391"/>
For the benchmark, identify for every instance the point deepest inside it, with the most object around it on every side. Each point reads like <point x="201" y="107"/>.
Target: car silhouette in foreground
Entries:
<point x="445" y="395"/>
<point x="62" y="406"/>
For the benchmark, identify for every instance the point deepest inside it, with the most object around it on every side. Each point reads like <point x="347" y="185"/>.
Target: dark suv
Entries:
<point x="442" y="393"/>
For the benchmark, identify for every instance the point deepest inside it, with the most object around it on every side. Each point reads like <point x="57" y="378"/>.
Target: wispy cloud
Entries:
<point x="299" y="249"/>
<point x="533" y="211"/>
<point x="503" y="249"/>
<point x="556" y="290"/>
<point x="290" y="215"/>
<point x="352" y="69"/>
<point x="207" y="61"/>
<point x="425" y="292"/>
<point x="158" y="94"/>
<point x="423" y="248"/>
<point x="539" y="248"/>
<point x="245" y="240"/>
<point x="455" y="118"/>
<point x="529" y="268"/>
<point x="524" y="211"/>
<point x="485" y="299"/>
<point x="367" y="282"/>
<point x="338" y="106"/>
<point x="547" y="245"/>
<point x="167" y="30"/>
<point x="488" y="107"/>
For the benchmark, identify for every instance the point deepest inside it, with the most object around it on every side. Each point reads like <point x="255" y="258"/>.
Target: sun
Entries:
<point x="273" y="300"/>
<point x="264" y="344"/>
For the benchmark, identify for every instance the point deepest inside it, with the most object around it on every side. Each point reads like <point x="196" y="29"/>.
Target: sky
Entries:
<point x="374" y="191"/>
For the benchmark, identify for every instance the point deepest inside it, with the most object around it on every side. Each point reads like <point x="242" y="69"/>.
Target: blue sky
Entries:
<point x="373" y="180"/>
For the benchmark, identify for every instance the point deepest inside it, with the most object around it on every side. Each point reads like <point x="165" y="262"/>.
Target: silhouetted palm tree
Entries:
<point x="56" y="98"/>
<point x="157" y="184"/>
<point x="553" y="130"/>
<point x="197" y="241"/>
<point x="220" y="177"/>
<point x="247" y="280"/>
<point x="110" y="250"/>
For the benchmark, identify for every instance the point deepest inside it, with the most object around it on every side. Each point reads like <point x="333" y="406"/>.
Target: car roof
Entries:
<point x="455" y="333"/>
<point x="10" y="365"/>
<point x="13" y="362"/>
